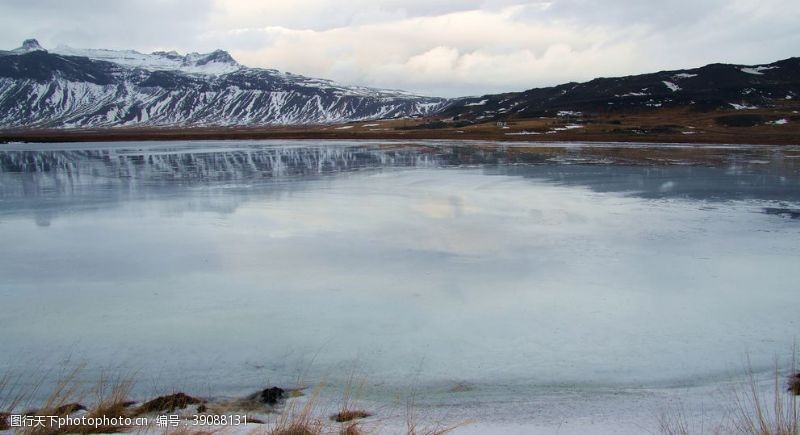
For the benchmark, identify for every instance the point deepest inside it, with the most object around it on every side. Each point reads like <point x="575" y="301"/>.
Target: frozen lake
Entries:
<point x="225" y="266"/>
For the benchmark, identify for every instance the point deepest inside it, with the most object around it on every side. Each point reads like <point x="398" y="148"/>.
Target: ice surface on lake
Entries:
<point x="230" y="265"/>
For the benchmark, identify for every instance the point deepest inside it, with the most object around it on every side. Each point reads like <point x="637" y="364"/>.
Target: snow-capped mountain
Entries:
<point x="94" y="88"/>
<point x="28" y="46"/>
<point x="77" y="88"/>
<point x="216" y="63"/>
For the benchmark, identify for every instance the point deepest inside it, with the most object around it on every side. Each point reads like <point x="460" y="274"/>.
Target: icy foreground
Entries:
<point x="71" y="88"/>
<point x="531" y="295"/>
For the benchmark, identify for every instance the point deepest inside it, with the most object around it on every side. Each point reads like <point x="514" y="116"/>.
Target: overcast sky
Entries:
<point x="446" y="48"/>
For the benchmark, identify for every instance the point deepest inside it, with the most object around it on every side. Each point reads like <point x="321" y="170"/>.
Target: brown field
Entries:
<point x="679" y="125"/>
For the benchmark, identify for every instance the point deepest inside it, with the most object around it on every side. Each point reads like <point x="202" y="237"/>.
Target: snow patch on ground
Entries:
<point x="759" y="70"/>
<point x="783" y="121"/>
<point x="565" y="128"/>
<point x="522" y="133"/>
<point x="742" y="106"/>
<point x="479" y="103"/>
<point x="672" y="86"/>
<point x="684" y="76"/>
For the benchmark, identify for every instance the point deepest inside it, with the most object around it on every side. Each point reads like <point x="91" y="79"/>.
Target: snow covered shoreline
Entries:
<point x="465" y="408"/>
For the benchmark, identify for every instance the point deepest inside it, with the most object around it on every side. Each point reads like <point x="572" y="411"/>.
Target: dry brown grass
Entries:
<point x="437" y="429"/>
<point x="184" y="430"/>
<point x="109" y="397"/>
<point x="627" y="126"/>
<point x="9" y="388"/>
<point x="350" y="415"/>
<point x="349" y="409"/>
<point x="59" y="401"/>
<point x="110" y="401"/>
<point x="673" y="422"/>
<point x="112" y="397"/>
<point x="351" y="429"/>
<point x="168" y="403"/>
<point x="412" y="422"/>
<point x="774" y="412"/>
<point x="304" y="421"/>
<point x="307" y="421"/>
<point x="306" y="428"/>
<point x="794" y="384"/>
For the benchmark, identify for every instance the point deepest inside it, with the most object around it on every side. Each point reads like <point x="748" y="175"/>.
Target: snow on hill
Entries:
<point x="712" y="87"/>
<point x="28" y="46"/>
<point x="88" y="88"/>
<point x="216" y="63"/>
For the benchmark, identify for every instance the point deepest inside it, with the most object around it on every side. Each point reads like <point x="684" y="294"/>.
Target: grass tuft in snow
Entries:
<point x="754" y="412"/>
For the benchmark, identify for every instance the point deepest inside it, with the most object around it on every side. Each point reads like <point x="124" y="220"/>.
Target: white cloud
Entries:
<point x="459" y="53"/>
<point x="447" y="47"/>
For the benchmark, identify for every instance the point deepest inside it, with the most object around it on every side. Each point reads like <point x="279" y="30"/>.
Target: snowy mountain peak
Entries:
<point x="168" y="54"/>
<point x="219" y="56"/>
<point x="215" y="63"/>
<point x="29" y="45"/>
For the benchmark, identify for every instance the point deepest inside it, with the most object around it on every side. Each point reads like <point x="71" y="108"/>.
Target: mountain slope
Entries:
<point x="715" y="86"/>
<point x="80" y="88"/>
<point x="103" y="88"/>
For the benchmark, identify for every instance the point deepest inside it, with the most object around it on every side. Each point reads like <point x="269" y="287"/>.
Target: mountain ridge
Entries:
<point x="68" y="88"/>
<point x="74" y="88"/>
<point x="710" y="87"/>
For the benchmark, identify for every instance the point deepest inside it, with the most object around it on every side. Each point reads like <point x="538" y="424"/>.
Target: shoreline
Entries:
<point x="206" y="134"/>
<point x="464" y="409"/>
<point x="675" y="125"/>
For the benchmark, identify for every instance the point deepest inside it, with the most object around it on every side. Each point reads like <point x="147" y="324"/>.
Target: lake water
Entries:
<point x="225" y="266"/>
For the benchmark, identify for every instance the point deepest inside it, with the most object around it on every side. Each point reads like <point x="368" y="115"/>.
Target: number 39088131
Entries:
<point x="219" y="420"/>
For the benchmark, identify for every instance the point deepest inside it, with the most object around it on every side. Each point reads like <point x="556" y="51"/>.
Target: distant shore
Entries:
<point x="662" y="126"/>
<point x="256" y="133"/>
